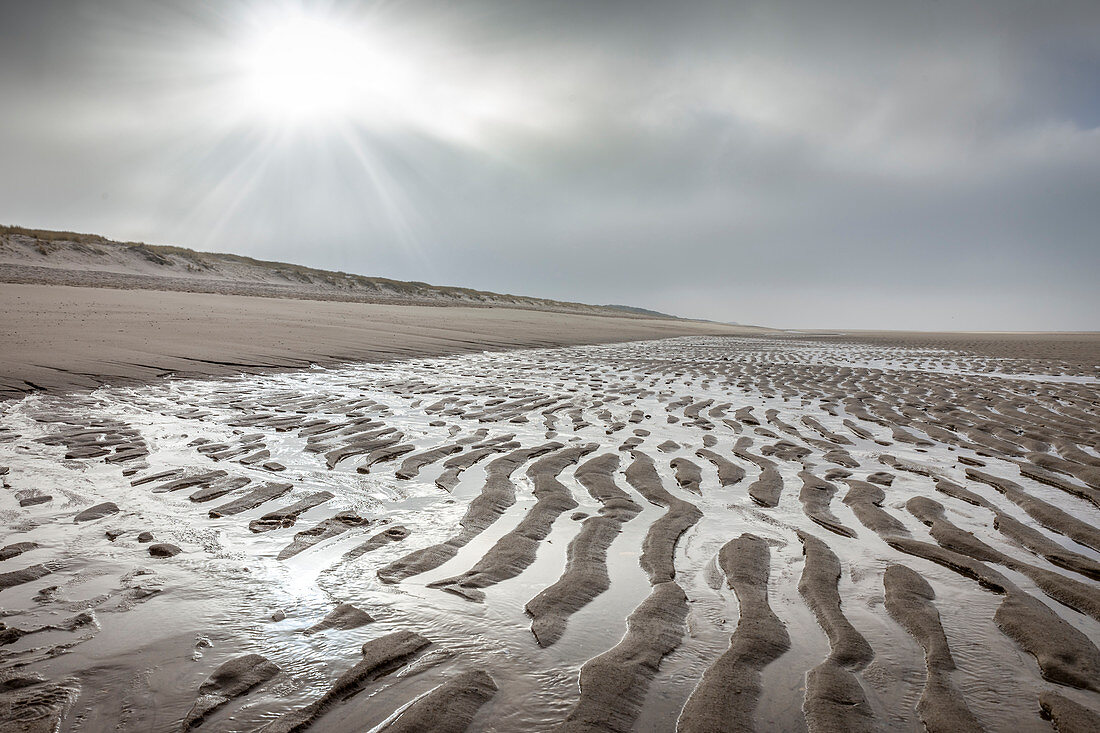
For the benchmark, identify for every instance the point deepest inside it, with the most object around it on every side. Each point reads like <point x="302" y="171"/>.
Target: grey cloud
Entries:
<point x="857" y="164"/>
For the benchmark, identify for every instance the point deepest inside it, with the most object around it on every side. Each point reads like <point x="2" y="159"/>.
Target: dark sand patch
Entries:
<point x="585" y="575"/>
<point x="288" y="516"/>
<point x="251" y="500"/>
<point x="515" y="551"/>
<point x="232" y="679"/>
<point x="380" y="657"/>
<point x="343" y="617"/>
<point x="834" y="697"/>
<point x="729" y="473"/>
<point x="909" y="599"/>
<point x="816" y="495"/>
<point x="448" y="708"/>
<point x="496" y="496"/>
<point x="659" y="545"/>
<point x="614" y="684"/>
<point x="725" y="698"/>
<point x="1068" y="716"/>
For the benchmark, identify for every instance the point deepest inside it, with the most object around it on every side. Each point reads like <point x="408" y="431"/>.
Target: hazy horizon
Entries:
<point x="854" y="165"/>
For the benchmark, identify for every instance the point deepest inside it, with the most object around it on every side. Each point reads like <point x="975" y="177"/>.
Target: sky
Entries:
<point x="928" y="164"/>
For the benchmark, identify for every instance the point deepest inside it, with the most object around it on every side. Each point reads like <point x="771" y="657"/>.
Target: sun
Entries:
<point x="295" y="69"/>
<point x="366" y="71"/>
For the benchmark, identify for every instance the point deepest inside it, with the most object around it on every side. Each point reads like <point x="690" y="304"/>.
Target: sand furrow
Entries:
<point x="288" y="516"/>
<point x="380" y="657"/>
<point x="866" y="500"/>
<point x="411" y="466"/>
<point x="585" y="575"/>
<point x="1064" y="654"/>
<point x="188" y="482"/>
<point x="219" y="489"/>
<point x="725" y="698"/>
<point x="1076" y="595"/>
<point x="1023" y="535"/>
<point x="515" y="551"/>
<point x="659" y="545"/>
<point x="448" y="708"/>
<point x="232" y="679"/>
<point x="1035" y="473"/>
<point x="326" y="530"/>
<point x="1042" y="512"/>
<point x="13" y="578"/>
<point x="816" y="494"/>
<point x="909" y="599"/>
<point x="362" y="445"/>
<point x="385" y="454"/>
<point x="614" y="684"/>
<point x="254" y="498"/>
<point x="834" y="697"/>
<point x="689" y="476"/>
<point x="1068" y="716"/>
<point x="452" y="468"/>
<point x="1046" y="548"/>
<point x="765" y="490"/>
<point x="496" y="495"/>
<point x="729" y="473"/>
<point x="396" y="533"/>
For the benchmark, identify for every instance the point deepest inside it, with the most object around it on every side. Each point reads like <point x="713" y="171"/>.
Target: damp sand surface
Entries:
<point x="704" y="532"/>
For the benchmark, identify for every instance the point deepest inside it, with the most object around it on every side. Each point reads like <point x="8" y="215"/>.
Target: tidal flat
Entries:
<point x="771" y="532"/>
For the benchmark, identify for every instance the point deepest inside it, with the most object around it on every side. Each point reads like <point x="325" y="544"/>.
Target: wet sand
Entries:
<point x="703" y="533"/>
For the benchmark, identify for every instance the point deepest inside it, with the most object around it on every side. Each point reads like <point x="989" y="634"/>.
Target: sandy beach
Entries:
<point x="493" y="519"/>
<point x="60" y="338"/>
<point x="529" y="367"/>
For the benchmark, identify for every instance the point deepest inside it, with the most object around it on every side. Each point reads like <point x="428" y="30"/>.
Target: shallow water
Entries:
<point x="158" y="635"/>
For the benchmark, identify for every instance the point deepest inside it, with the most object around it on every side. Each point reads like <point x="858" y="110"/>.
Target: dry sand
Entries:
<point x="62" y="338"/>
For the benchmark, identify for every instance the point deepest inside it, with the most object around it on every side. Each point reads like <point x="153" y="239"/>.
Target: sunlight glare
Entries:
<point x="327" y="72"/>
<point x="299" y="69"/>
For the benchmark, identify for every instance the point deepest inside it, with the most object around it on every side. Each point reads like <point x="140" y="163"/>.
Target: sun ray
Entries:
<point x="399" y="213"/>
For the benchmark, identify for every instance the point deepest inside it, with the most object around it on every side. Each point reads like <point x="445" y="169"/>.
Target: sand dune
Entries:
<point x="86" y="260"/>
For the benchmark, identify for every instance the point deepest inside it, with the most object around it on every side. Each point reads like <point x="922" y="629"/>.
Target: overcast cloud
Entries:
<point x="875" y="164"/>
